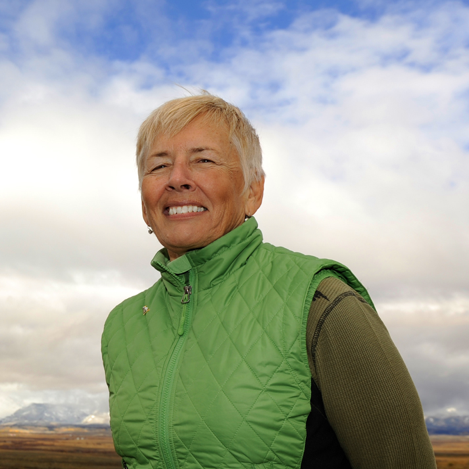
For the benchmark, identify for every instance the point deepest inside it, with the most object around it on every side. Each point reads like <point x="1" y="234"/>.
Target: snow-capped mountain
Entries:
<point x="53" y="414"/>
<point x="454" y="425"/>
<point x="61" y="414"/>
<point x="101" y="418"/>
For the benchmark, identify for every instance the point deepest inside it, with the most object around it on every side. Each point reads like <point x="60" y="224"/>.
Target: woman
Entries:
<point x="244" y="354"/>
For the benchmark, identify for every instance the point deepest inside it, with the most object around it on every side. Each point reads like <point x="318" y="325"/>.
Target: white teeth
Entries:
<point x="185" y="209"/>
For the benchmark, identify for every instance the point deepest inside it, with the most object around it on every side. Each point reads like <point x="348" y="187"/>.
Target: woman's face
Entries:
<point x="192" y="188"/>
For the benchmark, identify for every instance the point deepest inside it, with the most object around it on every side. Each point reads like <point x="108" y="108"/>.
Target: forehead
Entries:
<point x="201" y="131"/>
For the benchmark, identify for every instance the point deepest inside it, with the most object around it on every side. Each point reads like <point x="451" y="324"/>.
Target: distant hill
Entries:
<point x="53" y="414"/>
<point x="61" y="414"/>
<point x="455" y="425"/>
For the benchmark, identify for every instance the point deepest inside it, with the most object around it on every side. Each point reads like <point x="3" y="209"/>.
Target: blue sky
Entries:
<point x="126" y="30"/>
<point x="362" y="109"/>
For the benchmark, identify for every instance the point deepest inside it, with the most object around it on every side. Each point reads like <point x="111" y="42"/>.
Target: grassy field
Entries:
<point x="77" y="448"/>
<point x="452" y="452"/>
<point x="63" y="448"/>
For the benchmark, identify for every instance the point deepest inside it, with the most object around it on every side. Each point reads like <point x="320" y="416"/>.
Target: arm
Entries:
<point x="368" y="394"/>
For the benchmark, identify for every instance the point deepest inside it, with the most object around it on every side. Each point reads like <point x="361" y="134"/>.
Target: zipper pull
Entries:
<point x="186" y="298"/>
<point x="187" y="294"/>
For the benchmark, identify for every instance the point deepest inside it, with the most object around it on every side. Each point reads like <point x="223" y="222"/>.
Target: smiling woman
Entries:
<point x="243" y="354"/>
<point x="193" y="187"/>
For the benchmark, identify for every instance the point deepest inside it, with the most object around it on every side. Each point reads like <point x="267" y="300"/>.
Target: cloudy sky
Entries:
<point x="362" y="107"/>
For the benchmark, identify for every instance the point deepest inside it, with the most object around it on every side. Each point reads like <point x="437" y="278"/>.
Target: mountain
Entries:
<point x="455" y="425"/>
<point x="46" y="414"/>
<point x="96" y="419"/>
<point x="61" y="414"/>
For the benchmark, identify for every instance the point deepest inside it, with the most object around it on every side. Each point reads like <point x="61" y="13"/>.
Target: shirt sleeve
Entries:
<point x="368" y="395"/>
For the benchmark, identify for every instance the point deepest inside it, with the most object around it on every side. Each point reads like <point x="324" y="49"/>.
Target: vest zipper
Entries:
<point x="186" y="298"/>
<point x="169" y="378"/>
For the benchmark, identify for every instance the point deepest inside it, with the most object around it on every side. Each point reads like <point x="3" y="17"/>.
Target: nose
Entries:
<point x="180" y="178"/>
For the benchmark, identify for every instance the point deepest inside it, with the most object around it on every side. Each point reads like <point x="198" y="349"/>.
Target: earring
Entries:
<point x="150" y="231"/>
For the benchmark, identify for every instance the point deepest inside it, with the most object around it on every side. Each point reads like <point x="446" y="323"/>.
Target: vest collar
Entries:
<point x="212" y="262"/>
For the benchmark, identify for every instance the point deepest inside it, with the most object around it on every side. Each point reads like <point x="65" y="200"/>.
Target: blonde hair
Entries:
<point x="171" y="117"/>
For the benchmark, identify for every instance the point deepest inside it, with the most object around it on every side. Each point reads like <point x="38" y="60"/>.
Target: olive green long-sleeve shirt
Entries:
<point x="369" y="397"/>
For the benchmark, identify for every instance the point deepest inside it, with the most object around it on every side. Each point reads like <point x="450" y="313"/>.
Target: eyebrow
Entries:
<point x="191" y="150"/>
<point x="161" y="153"/>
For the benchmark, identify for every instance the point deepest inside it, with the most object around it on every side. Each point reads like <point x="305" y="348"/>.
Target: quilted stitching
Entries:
<point x="241" y="397"/>
<point x="222" y="333"/>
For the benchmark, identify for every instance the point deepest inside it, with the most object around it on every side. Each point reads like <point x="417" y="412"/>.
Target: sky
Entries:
<point x="362" y="108"/>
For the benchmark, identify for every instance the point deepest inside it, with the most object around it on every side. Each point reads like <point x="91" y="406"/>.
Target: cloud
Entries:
<point x="363" y="123"/>
<point x="50" y="335"/>
<point x="437" y="359"/>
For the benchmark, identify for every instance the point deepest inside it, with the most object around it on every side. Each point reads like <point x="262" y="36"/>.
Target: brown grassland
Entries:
<point x="59" y="448"/>
<point x="77" y="448"/>
<point x="451" y="452"/>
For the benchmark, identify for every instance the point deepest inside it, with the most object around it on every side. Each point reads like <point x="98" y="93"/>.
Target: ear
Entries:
<point x="254" y="197"/>
<point x="144" y="214"/>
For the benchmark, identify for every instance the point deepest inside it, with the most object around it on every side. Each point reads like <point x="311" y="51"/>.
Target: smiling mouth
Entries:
<point x="185" y="209"/>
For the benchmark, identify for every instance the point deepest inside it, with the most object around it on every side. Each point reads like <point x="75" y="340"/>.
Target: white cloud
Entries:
<point x="51" y="330"/>
<point x="364" y="130"/>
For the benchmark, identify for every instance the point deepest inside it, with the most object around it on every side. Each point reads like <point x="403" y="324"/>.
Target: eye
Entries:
<point x="160" y="166"/>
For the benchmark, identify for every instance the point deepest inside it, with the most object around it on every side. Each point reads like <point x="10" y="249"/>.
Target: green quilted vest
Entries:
<point x="208" y="367"/>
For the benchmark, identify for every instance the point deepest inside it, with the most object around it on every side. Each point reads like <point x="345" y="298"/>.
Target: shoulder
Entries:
<point x="281" y="251"/>
<point x="280" y="254"/>
<point x="321" y="268"/>
<point x="337" y="304"/>
<point x="330" y="292"/>
<point x="295" y="270"/>
<point x="340" y="318"/>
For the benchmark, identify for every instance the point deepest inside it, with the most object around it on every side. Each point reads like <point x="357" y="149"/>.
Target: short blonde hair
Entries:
<point x="171" y="117"/>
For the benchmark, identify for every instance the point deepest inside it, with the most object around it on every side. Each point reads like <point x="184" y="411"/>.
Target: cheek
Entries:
<point x="226" y="186"/>
<point x="226" y="196"/>
<point x="151" y="194"/>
